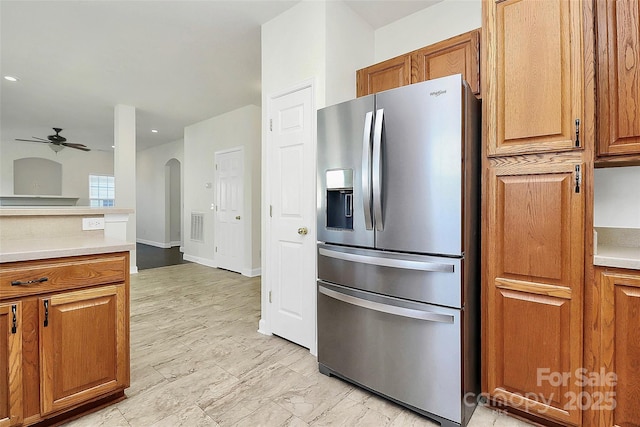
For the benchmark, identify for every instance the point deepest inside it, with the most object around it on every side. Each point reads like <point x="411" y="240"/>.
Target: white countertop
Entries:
<point x="30" y="249"/>
<point x="617" y="256"/>
<point x="617" y="247"/>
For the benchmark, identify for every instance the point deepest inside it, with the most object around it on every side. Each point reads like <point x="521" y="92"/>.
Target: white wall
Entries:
<point x="293" y="50"/>
<point x="150" y="197"/>
<point x="349" y="47"/>
<point x="617" y="197"/>
<point x="433" y="24"/>
<point x="76" y="166"/>
<point x="237" y="128"/>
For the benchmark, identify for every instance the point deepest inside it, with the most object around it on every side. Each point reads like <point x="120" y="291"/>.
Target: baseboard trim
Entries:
<point x="200" y="260"/>
<point x="255" y="272"/>
<point x="156" y="244"/>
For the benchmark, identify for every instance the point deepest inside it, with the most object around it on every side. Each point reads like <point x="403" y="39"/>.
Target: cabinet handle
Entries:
<point x="14" y="323"/>
<point x="577" y="132"/>
<point x="46" y="313"/>
<point x="29" y="282"/>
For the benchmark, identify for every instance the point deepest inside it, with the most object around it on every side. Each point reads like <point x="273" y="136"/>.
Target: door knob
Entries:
<point x="302" y="231"/>
<point x="238" y="217"/>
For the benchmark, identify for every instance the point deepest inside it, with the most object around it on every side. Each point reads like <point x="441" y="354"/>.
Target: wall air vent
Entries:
<point x="197" y="226"/>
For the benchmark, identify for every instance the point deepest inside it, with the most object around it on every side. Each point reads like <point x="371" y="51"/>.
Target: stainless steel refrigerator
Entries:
<point x="398" y="227"/>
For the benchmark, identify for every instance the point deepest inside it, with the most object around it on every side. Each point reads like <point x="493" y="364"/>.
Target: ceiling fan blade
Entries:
<point x="41" y="139"/>
<point x="76" y="146"/>
<point x="33" y="140"/>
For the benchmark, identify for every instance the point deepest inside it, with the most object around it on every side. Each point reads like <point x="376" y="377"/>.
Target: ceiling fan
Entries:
<point x="57" y="142"/>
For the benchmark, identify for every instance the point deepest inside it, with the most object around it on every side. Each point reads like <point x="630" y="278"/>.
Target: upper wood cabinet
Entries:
<point x="390" y="74"/>
<point x="618" y="76"/>
<point x="457" y="55"/>
<point x="533" y="75"/>
<point x="11" y="364"/>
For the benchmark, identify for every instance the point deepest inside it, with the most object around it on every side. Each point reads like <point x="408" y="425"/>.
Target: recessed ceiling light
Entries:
<point x="154" y="130"/>
<point x="11" y="78"/>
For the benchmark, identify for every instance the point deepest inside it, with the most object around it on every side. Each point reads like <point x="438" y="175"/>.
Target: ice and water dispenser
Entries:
<point x="339" y="187"/>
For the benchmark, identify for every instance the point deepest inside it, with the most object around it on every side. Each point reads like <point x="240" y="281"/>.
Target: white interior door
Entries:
<point x="229" y="228"/>
<point x="292" y="237"/>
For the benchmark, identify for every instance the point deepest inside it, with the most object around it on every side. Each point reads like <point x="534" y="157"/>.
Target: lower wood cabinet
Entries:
<point x="83" y="346"/>
<point x="617" y="393"/>
<point x="68" y="347"/>
<point x="10" y="364"/>
<point x="533" y="256"/>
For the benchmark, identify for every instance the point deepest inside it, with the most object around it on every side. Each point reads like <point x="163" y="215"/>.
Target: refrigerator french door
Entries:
<point x="398" y="283"/>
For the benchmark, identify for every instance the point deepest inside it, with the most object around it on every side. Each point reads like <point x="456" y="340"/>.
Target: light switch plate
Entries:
<point x="93" y="223"/>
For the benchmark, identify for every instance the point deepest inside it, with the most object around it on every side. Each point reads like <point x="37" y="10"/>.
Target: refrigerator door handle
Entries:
<point x="366" y="171"/>
<point x="386" y="308"/>
<point x="388" y="262"/>
<point x="376" y="176"/>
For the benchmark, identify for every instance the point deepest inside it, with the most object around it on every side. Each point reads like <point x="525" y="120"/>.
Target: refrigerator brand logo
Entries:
<point x="438" y="93"/>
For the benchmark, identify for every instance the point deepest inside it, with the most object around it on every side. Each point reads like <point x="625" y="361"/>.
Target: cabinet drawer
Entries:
<point x="28" y="278"/>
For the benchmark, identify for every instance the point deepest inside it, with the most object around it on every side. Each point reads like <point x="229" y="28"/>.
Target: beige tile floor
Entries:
<point x="197" y="360"/>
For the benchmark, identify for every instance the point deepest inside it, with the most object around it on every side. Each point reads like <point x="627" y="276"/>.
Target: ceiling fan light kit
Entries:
<point x="57" y="142"/>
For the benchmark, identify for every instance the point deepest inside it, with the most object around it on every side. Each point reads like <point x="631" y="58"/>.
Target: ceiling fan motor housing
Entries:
<point x="57" y="138"/>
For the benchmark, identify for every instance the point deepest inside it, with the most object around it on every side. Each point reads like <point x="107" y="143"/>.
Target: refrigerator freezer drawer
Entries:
<point x="410" y="352"/>
<point x="434" y="280"/>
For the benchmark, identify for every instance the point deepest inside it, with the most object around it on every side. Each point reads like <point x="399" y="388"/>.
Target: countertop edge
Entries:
<point x="61" y="211"/>
<point x="618" y="257"/>
<point x="35" y="250"/>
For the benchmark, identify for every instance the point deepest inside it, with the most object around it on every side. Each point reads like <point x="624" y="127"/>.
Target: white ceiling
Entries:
<point x="178" y="62"/>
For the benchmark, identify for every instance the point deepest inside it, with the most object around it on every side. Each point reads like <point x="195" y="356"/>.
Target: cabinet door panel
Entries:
<point x="385" y="75"/>
<point x="10" y="364"/>
<point x="533" y="339"/>
<point x="457" y="55"/>
<point x="618" y="60"/>
<point x="538" y="228"/>
<point x="533" y="75"/>
<point x="534" y="258"/>
<point x="620" y="311"/>
<point x="83" y="351"/>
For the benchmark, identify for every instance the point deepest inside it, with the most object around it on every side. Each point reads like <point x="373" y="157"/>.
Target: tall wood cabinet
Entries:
<point x="70" y="348"/>
<point x="534" y="201"/>
<point x="456" y="55"/>
<point x="618" y="60"/>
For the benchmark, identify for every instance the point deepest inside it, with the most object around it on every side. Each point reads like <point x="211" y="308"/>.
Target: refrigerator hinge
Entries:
<point x="271" y="125"/>
<point x="578" y="178"/>
<point x="269" y="296"/>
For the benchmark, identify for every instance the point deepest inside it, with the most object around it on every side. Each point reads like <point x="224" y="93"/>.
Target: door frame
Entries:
<point x="264" y="325"/>
<point x="240" y="149"/>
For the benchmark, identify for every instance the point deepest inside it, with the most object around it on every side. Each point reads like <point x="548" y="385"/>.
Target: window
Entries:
<point x="102" y="190"/>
